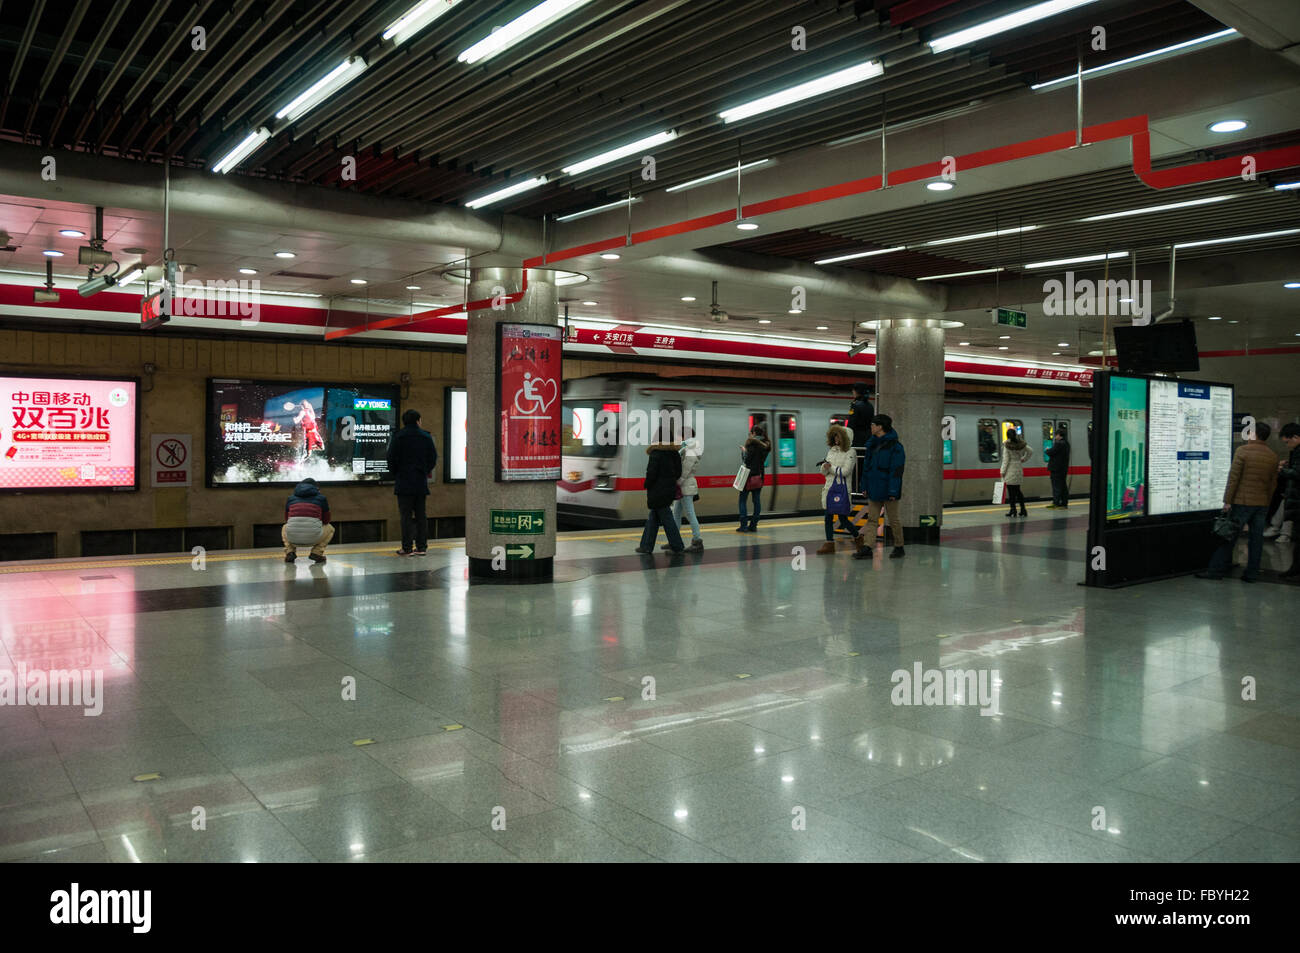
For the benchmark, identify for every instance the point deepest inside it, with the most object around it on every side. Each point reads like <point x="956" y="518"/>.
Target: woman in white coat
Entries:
<point x="690" y="451"/>
<point x="839" y="456"/>
<point x="1015" y="452"/>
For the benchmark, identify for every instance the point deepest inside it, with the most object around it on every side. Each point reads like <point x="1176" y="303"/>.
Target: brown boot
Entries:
<point x="828" y="547"/>
<point x="860" y="542"/>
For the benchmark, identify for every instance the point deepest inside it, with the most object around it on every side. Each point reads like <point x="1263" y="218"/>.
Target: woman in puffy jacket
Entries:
<point x="753" y="454"/>
<point x="1014" y="454"/>
<point x="691" y="450"/>
<point x="839" y="463"/>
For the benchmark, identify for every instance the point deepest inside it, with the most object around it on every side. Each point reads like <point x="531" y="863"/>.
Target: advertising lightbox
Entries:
<point x="277" y="432"/>
<point x="68" y="433"/>
<point x="455" y="433"/>
<point x="529" y="409"/>
<point x="1191" y="446"/>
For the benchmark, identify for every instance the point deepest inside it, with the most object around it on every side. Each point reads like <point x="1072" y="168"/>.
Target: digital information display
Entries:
<point x="528" y="401"/>
<point x="457" y="446"/>
<point x="272" y="432"/>
<point x="1127" y="433"/>
<point x="1190" y="454"/>
<point x="72" y="433"/>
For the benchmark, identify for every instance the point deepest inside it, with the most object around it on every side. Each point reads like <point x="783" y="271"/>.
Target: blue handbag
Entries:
<point x="837" y="497"/>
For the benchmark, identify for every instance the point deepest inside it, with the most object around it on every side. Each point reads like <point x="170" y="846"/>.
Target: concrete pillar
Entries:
<point x="909" y="388"/>
<point x="482" y="491"/>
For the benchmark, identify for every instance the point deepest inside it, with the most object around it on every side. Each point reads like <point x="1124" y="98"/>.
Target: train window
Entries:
<point x="759" y="420"/>
<point x="1049" y="428"/>
<point x="988" y="440"/>
<point x="786" y="449"/>
<point x="1018" y="425"/>
<point x="590" y="429"/>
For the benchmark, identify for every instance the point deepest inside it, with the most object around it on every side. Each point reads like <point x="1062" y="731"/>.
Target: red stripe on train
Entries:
<point x="629" y="484"/>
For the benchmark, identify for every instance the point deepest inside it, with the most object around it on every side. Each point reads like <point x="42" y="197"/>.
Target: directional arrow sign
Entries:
<point x="929" y="521"/>
<point x="519" y="552"/>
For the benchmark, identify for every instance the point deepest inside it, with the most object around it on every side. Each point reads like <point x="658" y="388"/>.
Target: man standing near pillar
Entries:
<point x="859" y="422"/>
<point x="884" y="482"/>
<point x="411" y="459"/>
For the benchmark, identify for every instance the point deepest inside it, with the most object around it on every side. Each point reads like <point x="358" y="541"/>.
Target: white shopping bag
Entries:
<point x="999" y="491"/>
<point x="742" y="475"/>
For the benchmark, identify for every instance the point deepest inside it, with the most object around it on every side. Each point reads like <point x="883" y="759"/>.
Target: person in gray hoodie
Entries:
<point x="690" y="451"/>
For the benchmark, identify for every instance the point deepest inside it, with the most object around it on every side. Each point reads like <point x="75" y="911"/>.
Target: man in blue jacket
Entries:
<point x="411" y="459"/>
<point x="306" y="522"/>
<point x="884" y="482"/>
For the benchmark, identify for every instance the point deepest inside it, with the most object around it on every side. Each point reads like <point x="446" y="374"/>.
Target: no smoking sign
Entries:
<point x="170" y="459"/>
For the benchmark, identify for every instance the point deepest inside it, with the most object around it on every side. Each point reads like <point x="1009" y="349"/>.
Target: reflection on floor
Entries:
<point x="755" y="702"/>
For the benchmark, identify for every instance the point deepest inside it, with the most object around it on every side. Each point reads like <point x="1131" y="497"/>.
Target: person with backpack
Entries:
<point x="753" y="454"/>
<point x="688" y="489"/>
<point x="885" y="462"/>
<point x="662" y="469"/>
<point x="837" y="468"/>
<point x="1015" y="452"/>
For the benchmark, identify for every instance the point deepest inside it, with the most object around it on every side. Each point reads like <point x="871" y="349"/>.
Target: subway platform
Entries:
<point x="753" y="702"/>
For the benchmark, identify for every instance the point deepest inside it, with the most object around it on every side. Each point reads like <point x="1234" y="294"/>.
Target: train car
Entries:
<point x="609" y="420"/>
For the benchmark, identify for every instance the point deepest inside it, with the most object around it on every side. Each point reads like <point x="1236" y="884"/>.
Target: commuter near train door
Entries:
<point x="885" y="460"/>
<point x="1014" y="454"/>
<point x="1058" y="467"/>
<point x="753" y="454"/>
<point x="859" y="421"/>
<point x="839" y="464"/>
<point x="688" y="489"/>
<point x="661" y="473"/>
<point x="411" y="459"/>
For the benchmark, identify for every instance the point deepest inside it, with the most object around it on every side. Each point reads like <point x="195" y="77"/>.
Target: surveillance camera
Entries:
<point x="89" y="255"/>
<point x="95" y="285"/>
<point x="45" y="296"/>
<point x="859" y="348"/>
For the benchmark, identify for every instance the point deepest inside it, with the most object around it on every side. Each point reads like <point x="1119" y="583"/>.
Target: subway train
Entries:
<point x="609" y="420"/>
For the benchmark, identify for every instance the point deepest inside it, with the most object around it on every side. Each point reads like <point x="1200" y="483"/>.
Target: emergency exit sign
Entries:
<point x="1008" y="318"/>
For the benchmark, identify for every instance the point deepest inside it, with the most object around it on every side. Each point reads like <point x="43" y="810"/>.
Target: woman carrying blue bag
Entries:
<point x="838" y="470"/>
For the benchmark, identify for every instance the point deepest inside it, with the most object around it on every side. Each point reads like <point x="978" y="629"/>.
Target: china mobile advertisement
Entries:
<point x="60" y="433"/>
<point x="262" y="432"/>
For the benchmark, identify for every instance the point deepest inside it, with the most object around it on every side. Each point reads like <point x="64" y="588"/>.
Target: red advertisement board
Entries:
<point x="528" y="401"/>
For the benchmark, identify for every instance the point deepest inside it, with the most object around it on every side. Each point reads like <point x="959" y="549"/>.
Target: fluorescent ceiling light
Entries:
<point x="131" y="274"/>
<point x="285" y="254"/>
<point x="331" y="82"/>
<point x="248" y="271"/>
<point x="358" y="281"/>
<point x="939" y="186"/>
<point x="412" y="287"/>
<point x="614" y="155"/>
<point x="610" y="256"/>
<point x="51" y="253"/>
<point x="688" y="298"/>
<point x="1285" y="186"/>
<point x="1211" y="39"/>
<point x="519" y="29"/>
<point x="860" y="254"/>
<point x="591" y="304"/>
<point x="1237" y="238"/>
<point x="1228" y="125"/>
<point x="1215" y="317"/>
<point x="977" y="235"/>
<point x="744" y="167"/>
<point x="961" y="274"/>
<point x="290" y="294"/>
<point x="74" y="233"/>
<point x="1075" y="261"/>
<point x="505" y="193"/>
<point x="1010" y="21"/>
<point x="242" y="151"/>
<point x="1157" y="208"/>
<point x="416" y="19"/>
<point x="1292" y="284"/>
<point x="815" y="87"/>
<point x="621" y="203"/>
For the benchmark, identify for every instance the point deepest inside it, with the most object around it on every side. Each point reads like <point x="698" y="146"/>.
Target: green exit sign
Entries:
<point x="1009" y="318"/>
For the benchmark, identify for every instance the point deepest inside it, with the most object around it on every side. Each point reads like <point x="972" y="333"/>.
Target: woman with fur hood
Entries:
<point x="662" y="470"/>
<point x="753" y="454"/>
<point x="1015" y="453"/>
<point x="841" y="457"/>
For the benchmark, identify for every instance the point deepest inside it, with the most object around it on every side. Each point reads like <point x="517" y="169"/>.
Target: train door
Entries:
<point x="786" y="483"/>
<point x="1051" y="426"/>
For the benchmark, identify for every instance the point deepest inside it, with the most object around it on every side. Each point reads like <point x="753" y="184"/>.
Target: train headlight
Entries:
<point x="604" y="481"/>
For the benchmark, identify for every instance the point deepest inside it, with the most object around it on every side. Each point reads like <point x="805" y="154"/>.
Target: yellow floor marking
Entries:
<point x="452" y="727"/>
<point x="147" y="777"/>
<point x="363" y="741"/>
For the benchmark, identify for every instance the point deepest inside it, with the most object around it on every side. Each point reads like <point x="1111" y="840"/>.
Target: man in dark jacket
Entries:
<point x="1058" y="467"/>
<point x="411" y="459"/>
<point x="661" y="473"/>
<point x="1289" y="470"/>
<point x="306" y="522"/>
<point x="884" y="483"/>
<point x="859" y="422"/>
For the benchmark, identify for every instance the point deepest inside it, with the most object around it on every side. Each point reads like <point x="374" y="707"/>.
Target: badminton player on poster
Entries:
<point x="311" y="438"/>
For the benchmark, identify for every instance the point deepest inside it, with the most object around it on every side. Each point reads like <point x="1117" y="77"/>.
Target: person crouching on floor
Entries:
<point x="306" y="522"/>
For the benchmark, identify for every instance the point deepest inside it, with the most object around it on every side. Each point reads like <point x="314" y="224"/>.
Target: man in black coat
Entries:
<point x="1058" y="467"/>
<point x="411" y="459"/>
<point x="661" y="474"/>
<point x="860" y="413"/>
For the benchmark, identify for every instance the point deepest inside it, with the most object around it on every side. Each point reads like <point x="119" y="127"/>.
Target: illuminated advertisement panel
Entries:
<point x="529" y="409"/>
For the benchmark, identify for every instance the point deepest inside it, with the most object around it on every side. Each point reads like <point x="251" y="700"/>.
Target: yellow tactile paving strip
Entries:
<point x="277" y="555"/>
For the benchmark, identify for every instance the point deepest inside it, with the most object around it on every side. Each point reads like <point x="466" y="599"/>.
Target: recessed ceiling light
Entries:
<point x="51" y="253"/>
<point x="822" y="327"/>
<point x="1063" y="344"/>
<point x="764" y="321"/>
<point x="248" y="271"/>
<point x="1004" y="337"/>
<point x="963" y="343"/>
<point x="1056" y="354"/>
<point x="795" y="311"/>
<point x="412" y="287"/>
<point x="688" y="298"/>
<point x="940" y="186"/>
<point x="610" y="256"/>
<point x="1228" y="125"/>
<point x="591" y="304"/>
<point x="747" y="226"/>
<point x="358" y="281"/>
<point x="73" y="233"/>
<point x="285" y="254"/>
<point x="1232" y="321"/>
<point x="1215" y="317"/>
<point x="1003" y="347"/>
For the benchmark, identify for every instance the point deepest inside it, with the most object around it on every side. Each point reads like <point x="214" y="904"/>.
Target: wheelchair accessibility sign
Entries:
<point x="529" y="401"/>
